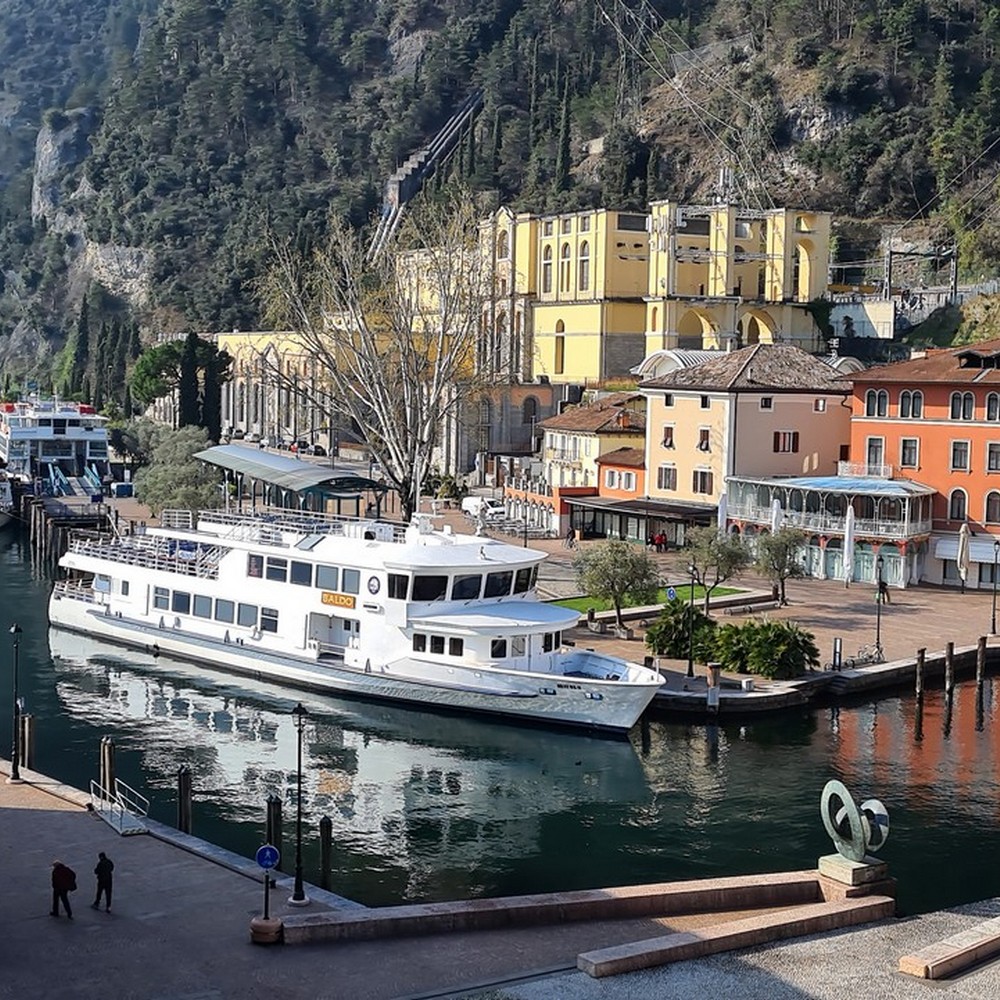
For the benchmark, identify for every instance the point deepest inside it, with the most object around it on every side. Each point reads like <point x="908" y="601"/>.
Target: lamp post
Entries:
<point x="299" y="897"/>
<point x="879" y="563"/>
<point x="15" y="754"/>
<point x="996" y="554"/>
<point x="690" y="671"/>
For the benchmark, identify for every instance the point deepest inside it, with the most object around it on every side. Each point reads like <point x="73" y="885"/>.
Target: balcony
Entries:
<point x="525" y="484"/>
<point x="865" y="471"/>
<point x="825" y="523"/>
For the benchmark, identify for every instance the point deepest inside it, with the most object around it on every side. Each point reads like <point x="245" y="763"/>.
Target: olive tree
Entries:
<point x="618" y="572"/>
<point x="779" y="556"/>
<point x="713" y="558"/>
<point x="174" y="477"/>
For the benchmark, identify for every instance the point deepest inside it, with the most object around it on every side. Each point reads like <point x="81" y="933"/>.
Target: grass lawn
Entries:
<point x="581" y="604"/>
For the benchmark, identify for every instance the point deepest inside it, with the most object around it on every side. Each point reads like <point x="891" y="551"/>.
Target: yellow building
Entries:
<point x="765" y="410"/>
<point x="589" y="314"/>
<point x="721" y="276"/>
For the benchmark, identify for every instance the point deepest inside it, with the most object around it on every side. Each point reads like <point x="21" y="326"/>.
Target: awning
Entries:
<point x="284" y="471"/>
<point x="663" y="509"/>
<point x="980" y="550"/>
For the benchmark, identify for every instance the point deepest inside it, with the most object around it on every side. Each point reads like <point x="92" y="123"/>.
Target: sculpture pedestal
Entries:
<point x="852" y="873"/>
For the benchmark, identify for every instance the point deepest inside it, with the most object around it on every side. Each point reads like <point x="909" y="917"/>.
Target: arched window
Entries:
<point x="584" y="281"/>
<point x="993" y="507"/>
<point x="882" y="403"/>
<point x="564" y="267"/>
<point x="871" y="401"/>
<point x="485" y="412"/>
<point x="916" y="404"/>
<point x="529" y="411"/>
<point x="547" y="269"/>
<point x="498" y="342"/>
<point x="962" y="406"/>
<point x="905" y="403"/>
<point x="957" y="505"/>
<point x="503" y="245"/>
<point x="993" y="406"/>
<point x="560" y="347"/>
<point x="652" y="320"/>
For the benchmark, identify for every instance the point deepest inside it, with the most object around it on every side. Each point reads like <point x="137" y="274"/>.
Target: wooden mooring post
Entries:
<point x="184" y="799"/>
<point x="949" y="669"/>
<point x="921" y="655"/>
<point x="325" y="850"/>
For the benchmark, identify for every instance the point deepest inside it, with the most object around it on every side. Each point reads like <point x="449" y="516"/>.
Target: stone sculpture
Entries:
<point x="856" y="831"/>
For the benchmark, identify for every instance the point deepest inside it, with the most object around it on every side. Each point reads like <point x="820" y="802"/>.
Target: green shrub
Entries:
<point x="779" y="650"/>
<point x="669" y="635"/>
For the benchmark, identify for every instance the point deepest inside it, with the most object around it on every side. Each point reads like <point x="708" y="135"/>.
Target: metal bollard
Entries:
<point x="273" y="836"/>
<point x="325" y="850"/>
<point x="184" y="799"/>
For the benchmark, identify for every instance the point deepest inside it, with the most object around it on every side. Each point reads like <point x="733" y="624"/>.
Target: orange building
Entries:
<point x="935" y="419"/>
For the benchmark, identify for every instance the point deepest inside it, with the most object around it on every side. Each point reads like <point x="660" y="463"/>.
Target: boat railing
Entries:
<point x="74" y="589"/>
<point x="152" y="552"/>
<point x="266" y="526"/>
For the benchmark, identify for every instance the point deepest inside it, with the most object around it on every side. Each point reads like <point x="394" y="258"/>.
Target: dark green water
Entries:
<point x="433" y="807"/>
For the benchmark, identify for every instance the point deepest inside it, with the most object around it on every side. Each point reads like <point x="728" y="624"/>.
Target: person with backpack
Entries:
<point x="63" y="883"/>
<point x="105" y="866"/>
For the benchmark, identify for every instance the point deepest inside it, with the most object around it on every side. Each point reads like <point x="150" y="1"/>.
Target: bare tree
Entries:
<point x="394" y="337"/>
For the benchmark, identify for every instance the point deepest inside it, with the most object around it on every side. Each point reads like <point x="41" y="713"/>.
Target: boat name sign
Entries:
<point x="338" y="600"/>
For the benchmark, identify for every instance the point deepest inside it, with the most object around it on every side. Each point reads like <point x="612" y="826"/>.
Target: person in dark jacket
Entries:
<point x="63" y="883"/>
<point x="105" y="866"/>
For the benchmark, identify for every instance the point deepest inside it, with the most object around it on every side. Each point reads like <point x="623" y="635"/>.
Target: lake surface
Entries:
<point x="430" y="807"/>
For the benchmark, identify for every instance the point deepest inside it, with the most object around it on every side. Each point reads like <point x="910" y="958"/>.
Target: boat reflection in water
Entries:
<point x="427" y="805"/>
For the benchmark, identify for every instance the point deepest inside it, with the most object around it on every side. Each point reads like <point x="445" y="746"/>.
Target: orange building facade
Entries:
<point x="935" y="420"/>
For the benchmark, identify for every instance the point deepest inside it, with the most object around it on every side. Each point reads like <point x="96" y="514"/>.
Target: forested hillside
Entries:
<point x="175" y="132"/>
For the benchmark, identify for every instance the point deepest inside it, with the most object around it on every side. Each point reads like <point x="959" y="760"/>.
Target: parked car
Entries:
<point x="316" y="449"/>
<point x="253" y="437"/>
<point x="489" y="507"/>
<point x="238" y="434"/>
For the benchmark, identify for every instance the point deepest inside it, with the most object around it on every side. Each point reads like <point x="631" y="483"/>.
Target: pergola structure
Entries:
<point x="289" y="482"/>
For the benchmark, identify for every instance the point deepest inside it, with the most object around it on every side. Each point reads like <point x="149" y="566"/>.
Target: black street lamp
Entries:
<point x="690" y="672"/>
<point x="996" y="553"/>
<point x="299" y="897"/>
<point x="15" y="754"/>
<point x="879" y="563"/>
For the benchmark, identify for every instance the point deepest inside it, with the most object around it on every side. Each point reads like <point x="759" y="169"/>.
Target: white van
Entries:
<point x="491" y="509"/>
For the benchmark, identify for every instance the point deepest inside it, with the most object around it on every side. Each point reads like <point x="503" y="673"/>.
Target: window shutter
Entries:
<point x="795" y="441"/>
<point x="777" y="440"/>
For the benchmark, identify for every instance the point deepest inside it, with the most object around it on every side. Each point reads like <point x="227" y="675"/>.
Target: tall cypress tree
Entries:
<point x="561" y="179"/>
<point x="211" y="400"/>
<point x="188" y="408"/>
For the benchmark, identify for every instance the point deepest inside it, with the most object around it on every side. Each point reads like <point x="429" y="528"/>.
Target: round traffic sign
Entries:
<point x="268" y="856"/>
<point x="671" y="594"/>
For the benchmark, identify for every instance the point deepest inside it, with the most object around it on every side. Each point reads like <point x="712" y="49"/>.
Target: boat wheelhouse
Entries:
<point x="52" y="439"/>
<point x="355" y="605"/>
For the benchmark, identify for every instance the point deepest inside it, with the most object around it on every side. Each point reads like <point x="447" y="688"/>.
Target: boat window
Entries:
<point x="547" y="642"/>
<point x="277" y="569"/>
<point x="522" y="580"/>
<point x="534" y="575"/>
<point x="351" y="581"/>
<point x="419" y="642"/>
<point x="327" y="577"/>
<point x="498" y="584"/>
<point x="302" y="574"/>
<point x="430" y="588"/>
<point x="498" y="649"/>
<point x="557" y="639"/>
<point x="255" y="565"/>
<point x="124" y="588"/>
<point x="161" y="598"/>
<point x="466" y="588"/>
<point x="246" y="615"/>
<point x="437" y="644"/>
<point x="225" y="611"/>
<point x="517" y="645"/>
<point x="202" y="606"/>
<point x="456" y="647"/>
<point x="268" y="620"/>
<point x="399" y="585"/>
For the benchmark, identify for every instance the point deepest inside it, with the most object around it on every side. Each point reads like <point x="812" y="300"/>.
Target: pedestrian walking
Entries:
<point x="63" y="883"/>
<point x="570" y="539"/>
<point x="883" y="592"/>
<point x="105" y="866"/>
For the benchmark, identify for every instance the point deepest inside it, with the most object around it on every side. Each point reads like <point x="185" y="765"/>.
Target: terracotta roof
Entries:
<point x="601" y="417"/>
<point x="634" y="458"/>
<point x="760" y="368"/>
<point x="943" y="365"/>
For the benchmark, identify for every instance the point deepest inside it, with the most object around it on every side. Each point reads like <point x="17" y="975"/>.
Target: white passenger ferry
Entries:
<point x="359" y="606"/>
<point x="6" y="501"/>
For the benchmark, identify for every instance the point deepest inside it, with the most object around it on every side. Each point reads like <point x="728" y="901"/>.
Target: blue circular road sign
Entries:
<point x="671" y="594"/>
<point x="268" y="856"/>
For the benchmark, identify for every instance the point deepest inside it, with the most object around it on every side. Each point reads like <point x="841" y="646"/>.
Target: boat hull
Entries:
<point x="550" y="699"/>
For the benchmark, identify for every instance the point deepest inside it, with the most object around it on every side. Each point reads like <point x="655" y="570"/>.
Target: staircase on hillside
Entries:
<point x="404" y="184"/>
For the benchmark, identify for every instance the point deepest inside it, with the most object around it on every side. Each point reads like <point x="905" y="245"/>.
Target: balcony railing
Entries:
<point x="865" y="470"/>
<point x="525" y="484"/>
<point x="830" y="524"/>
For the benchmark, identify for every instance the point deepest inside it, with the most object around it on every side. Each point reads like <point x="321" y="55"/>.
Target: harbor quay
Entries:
<point x="179" y="927"/>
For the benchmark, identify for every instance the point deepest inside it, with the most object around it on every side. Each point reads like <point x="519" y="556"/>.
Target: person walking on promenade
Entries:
<point x="105" y="866"/>
<point x="63" y="883"/>
<point x="570" y="540"/>
<point x="883" y="592"/>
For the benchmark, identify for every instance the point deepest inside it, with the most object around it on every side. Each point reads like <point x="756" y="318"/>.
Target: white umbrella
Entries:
<point x="723" y="513"/>
<point x="849" y="546"/>
<point x="962" y="557"/>
<point x="775" y="515"/>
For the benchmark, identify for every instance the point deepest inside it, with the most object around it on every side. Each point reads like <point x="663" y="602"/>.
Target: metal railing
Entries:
<point x="266" y="526"/>
<point x="122" y="808"/>
<point x="864" y="470"/>
<point x="152" y="552"/>
<point x="830" y="523"/>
